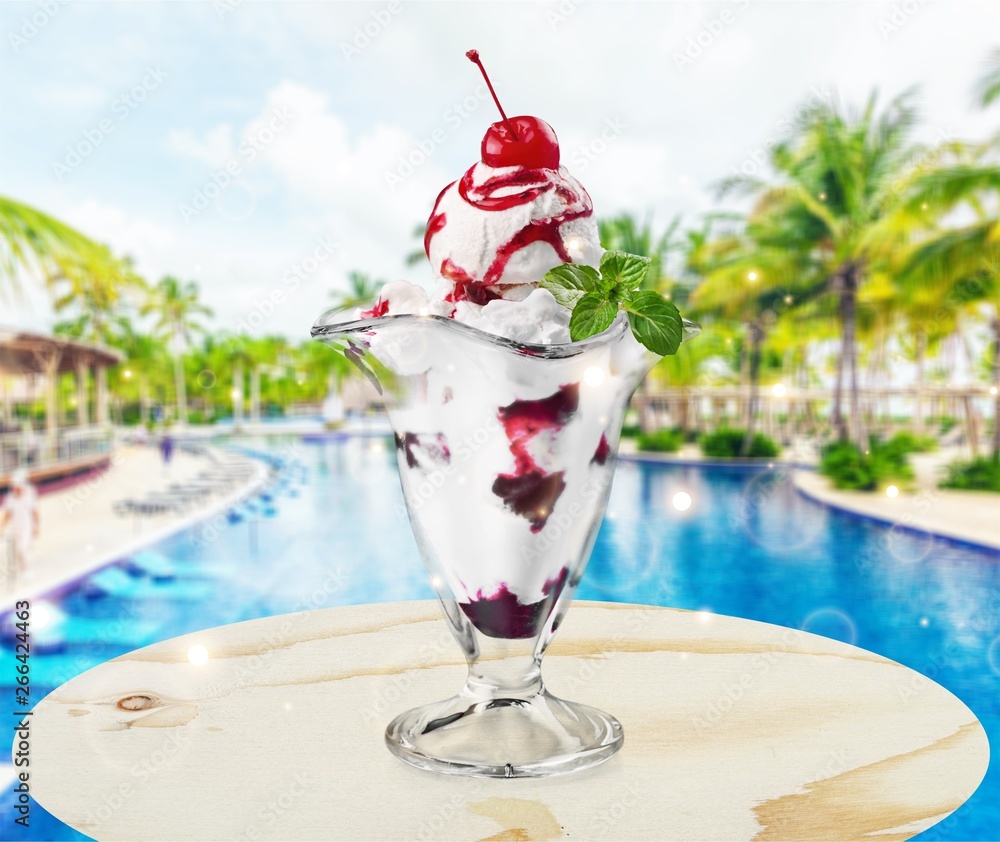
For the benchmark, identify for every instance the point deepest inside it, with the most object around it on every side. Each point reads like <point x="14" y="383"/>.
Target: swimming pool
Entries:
<point x="747" y="545"/>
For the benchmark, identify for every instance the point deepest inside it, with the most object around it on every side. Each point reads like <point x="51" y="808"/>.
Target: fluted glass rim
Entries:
<point x="327" y="328"/>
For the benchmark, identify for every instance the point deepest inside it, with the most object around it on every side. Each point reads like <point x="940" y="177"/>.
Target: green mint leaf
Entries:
<point x="620" y="292"/>
<point x="624" y="270"/>
<point x="655" y="322"/>
<point x="569" y="282"/>
<point x="592" y="314"/>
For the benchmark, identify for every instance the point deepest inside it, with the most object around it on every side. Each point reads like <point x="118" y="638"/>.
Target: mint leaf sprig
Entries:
<point x="595" y="296"/>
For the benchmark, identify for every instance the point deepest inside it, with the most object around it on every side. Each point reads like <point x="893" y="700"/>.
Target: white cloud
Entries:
<point x="336" y="177"/>
<point x="72" y="96"/>
<point x="151" y="245"/>
<point x="215" y="149"/>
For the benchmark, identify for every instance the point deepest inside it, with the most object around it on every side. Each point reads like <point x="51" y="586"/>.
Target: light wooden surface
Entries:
<point x="733" y="730"/>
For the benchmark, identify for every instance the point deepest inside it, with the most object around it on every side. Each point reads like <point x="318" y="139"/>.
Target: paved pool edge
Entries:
<point x="814" y="488"/>
<point x="68" y="577"/>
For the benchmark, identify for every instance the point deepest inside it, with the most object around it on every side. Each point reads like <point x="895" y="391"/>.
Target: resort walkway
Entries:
<point x="972" y="516"/>
<point x="80" y="530"/>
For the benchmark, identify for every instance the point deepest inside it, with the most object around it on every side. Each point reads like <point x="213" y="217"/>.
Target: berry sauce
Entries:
<point x="603" y="451"/>
<point x="534" y="183"/>
<point x="424" y="448"/>
<point x="436" y="222"/>
<point x="529" y="491"/>
<point x="379" y="309"/>
<point x="501" y="615"/>
<point x="527" y="184"/>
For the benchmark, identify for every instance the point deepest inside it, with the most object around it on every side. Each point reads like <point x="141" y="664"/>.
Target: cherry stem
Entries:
<point x="473" y="56"/>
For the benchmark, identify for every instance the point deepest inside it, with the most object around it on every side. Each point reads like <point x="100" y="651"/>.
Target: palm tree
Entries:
<point x="963" y="262"/>
<point x="79" y="272"/>
<point x="624" y="233"/>
<point x="361" y="290"/>
<point x="747" y="277"/>
<point x="835" y="189"/>
<point x="97" y="295"/>
<point x="177" y="308"/>
<point x="321" y="370"/>
<point x="234" y="349"/>
<point x="141" y="375"/>
<point x="959" y="264"/>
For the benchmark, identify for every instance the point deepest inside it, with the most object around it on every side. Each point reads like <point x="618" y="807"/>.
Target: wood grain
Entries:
<point x="734" y="730"/>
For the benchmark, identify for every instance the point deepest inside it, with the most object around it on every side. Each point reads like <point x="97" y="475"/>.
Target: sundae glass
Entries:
<point x="507" y="434"/>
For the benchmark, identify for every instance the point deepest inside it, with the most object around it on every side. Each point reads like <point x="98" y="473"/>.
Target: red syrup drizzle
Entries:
<point x="453" y="272"/>
<point x="537" y="230"/>
<point x="502" y="615"/>
<point x="379" y="309"/>
<point x="436" y="221"/>
<point x="471" y="291"/>
<point x="533" y="183"/>
<point x="531" y="492"/>
<point x="602" y="452"/>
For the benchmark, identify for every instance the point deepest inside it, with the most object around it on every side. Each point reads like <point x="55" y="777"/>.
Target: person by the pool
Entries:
<point x="20" y="513"/>
<point x="166" y="449"/>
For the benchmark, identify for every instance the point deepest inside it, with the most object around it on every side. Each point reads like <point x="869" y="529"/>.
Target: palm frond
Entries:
<point x="988" y="85"/>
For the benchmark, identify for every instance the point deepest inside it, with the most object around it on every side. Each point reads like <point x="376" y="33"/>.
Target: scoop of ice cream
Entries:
<point x="397" y="298"/>
<point x="496" y="228"/>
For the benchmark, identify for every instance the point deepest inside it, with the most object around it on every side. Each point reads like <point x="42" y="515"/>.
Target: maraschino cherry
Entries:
<point x="517" y="141"/>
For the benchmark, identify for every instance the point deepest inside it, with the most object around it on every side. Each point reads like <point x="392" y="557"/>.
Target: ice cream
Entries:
<point x="494" y="233"/>
<point x="491" y="237"/>
<point x="500" y="228"/>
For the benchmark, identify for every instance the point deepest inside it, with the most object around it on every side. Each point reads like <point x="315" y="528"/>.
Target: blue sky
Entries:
<point x="315" y="108"/>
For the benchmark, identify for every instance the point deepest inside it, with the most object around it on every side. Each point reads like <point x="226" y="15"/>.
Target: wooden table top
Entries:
<point x="733" y="730"/>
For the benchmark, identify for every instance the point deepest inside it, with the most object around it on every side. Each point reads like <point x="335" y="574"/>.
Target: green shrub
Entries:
<point x="982" y="474"/>
<point x="726" y="443"/>
<point x="849" y="468"/>
<point x="662" y="441"/>
<point x="631" y="431"/>
<point x="912" y="443"/>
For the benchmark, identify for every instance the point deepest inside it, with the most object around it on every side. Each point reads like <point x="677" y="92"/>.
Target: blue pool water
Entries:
<point x="331" y="530"/>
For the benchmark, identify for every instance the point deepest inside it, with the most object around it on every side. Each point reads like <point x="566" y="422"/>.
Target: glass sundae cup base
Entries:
<point x="500" y="736"/>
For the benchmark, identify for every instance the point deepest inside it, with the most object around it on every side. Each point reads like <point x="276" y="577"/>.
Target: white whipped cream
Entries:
<point x="537" y="320"/>
<point x="534" y="317"/>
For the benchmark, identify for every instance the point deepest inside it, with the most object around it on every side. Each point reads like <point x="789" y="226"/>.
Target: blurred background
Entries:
<point x="186" y="187"/>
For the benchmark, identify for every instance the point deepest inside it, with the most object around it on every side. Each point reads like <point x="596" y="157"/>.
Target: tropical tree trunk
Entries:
<point x="238" y="395"/>
<point x="255" y="395"/>
<point x="755" y="335"/>
<point x="143" y="400"/>
<point x="996" y="385"/>
<point x="180" y="389"/>
<point x="849" y="351"/>
<point x="836" y="413"/>
<point x="921" y="354"/>
<point x="647" y="420"/>
<point x="684" y="418"/>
